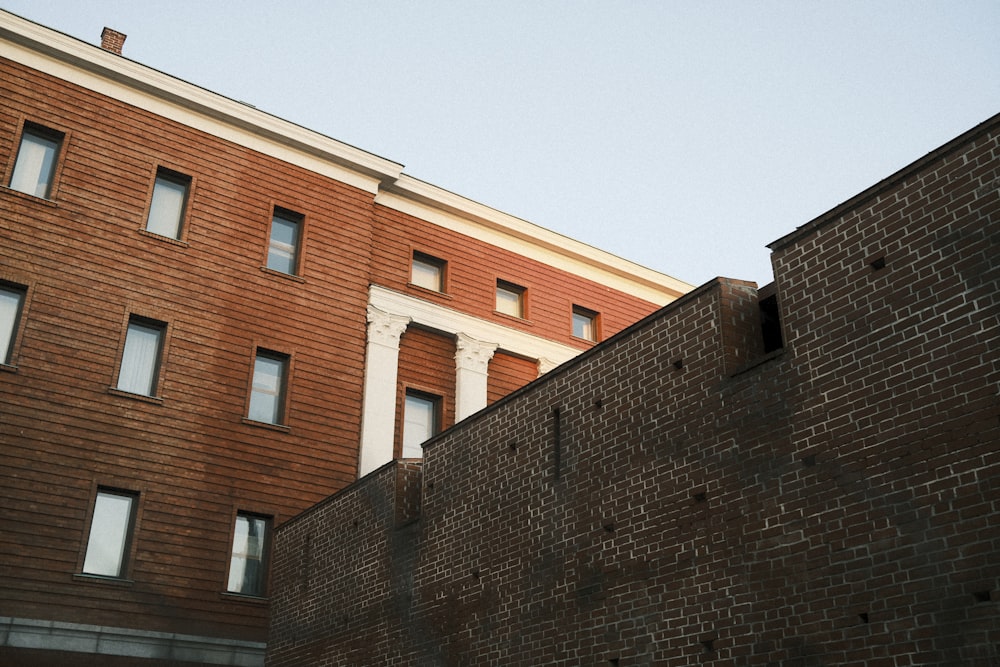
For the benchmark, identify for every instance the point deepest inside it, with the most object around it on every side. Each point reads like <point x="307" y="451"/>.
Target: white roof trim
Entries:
<point x="446" y="209"/>
<point x="118" y="77"/>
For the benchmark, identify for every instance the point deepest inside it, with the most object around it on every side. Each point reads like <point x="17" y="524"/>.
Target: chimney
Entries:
<point x="112" y="40"/>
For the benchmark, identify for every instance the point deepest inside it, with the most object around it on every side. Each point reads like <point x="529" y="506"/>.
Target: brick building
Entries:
<point x="805" y="475"/>
<point x="210" y="320"/>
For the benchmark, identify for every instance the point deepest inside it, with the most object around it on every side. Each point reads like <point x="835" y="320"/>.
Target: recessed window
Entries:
<point x="584" y="323"/>
<point x="510" y="299"/>
<point x="11" y="302"/>
<point x="35" y="167"/>
<point x="283" y="251"/>
<point x="248" y="563"/>
<point x="267" y="394"/>
<point x="427" y="272"/>
<point x="420" y="422"/>
<point x="141" y="356"/>
<point x="166" y="210"/>
<point x="110" y="533"/>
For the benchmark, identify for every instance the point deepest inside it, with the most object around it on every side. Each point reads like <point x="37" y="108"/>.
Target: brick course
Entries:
<point x="676" y="496"/>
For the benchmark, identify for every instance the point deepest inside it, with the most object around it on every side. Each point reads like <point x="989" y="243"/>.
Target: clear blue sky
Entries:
<point x="684" y="136"/>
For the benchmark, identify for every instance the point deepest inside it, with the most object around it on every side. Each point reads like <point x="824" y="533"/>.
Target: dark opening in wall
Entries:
<point x="770" y="318"/>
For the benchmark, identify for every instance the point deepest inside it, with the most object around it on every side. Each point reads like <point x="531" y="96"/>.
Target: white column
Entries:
<point x="472" y="359"/>
<point x="378" y="416"/>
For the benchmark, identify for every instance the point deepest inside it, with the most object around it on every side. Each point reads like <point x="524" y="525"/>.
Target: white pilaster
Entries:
<point x="378" y="416"/>
<point x="545" y="365"/>
<point x="472" y="359"/>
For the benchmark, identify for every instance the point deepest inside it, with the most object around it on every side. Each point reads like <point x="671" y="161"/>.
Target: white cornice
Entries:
<point x="450" y="321"/>
<point x="117" y="77"/>
<point x="446" y="209"/>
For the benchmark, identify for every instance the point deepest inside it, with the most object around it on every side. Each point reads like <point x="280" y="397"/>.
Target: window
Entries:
<point x="267" y="394"/>
<point x="35" y="166"/>
<point x="110" y="533"/>
<point x="166" y="210"/>
<point x="11" y="302"/>
<point x="282" y="254"/>
<point x="420" y="422"/>
<point x="141" y="356"/>
<point x="510" y="299"/>
<point x="584" y="323"/>
<point x="427" y="272"/>
<point x="248" y="563"/>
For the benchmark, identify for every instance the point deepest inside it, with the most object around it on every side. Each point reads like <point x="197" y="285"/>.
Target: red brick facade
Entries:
<point x="678" y="495"/>
<point x="193" y="460"/>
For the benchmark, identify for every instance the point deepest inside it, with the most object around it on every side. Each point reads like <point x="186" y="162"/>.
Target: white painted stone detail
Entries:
<point x="378" y="411"/>
<point x="472" y="359"/>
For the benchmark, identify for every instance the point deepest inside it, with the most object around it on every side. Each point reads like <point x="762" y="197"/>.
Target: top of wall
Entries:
<point x="117" y="77"/>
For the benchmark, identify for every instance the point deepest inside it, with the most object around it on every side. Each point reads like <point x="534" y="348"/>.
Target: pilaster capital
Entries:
<point x="473" y="354"/>
<point x="545" y="365"/>
<point x="385" y="328"/>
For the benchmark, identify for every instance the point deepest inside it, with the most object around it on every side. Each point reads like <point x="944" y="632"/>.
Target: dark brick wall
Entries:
<point x="677" y="496"/>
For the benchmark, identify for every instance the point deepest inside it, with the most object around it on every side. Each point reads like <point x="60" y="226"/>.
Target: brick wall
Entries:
<point x="87" y="264"/>
<point x="677" y="496"/>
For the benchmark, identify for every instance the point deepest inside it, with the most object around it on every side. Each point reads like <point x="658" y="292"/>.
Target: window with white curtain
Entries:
<point x="420" y="422"/>
<point x="11" y="302"/>
<point x="141" y="356"/>
<point x="248" y="562"/>
<point x="283" y="251"/>
<point x="267" y="393"/>
<point x="585" y="323"/>
<point x="427" y="272"/>
<point x="166" y="210"/>
<point x="510" y="299"/>
<point x="35" y="166"/>
<point x="110" y="533"/>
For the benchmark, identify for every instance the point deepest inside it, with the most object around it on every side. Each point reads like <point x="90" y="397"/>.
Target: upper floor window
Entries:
<point x="11" y="302"/>
<point x="35" y="167"/>
<point x="283" y="251"/>
<point x="267" y="393"/>
<point x="585" y="324"/>
<point x="110" y="533"/>
<point x="510" y="299"/>
<point x="427" y="272"/>
<point x="141" y="356"/>
<point x="166" y="210"/>
<point x="421" y="421"/>
<point x="248" y="560"/>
